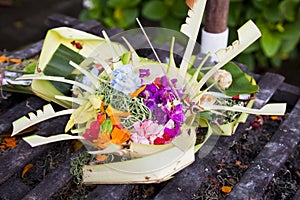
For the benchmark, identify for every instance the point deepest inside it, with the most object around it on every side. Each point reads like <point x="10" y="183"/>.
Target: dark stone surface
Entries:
<point x="24" y="22"/>
<point x="53" y="182"/>
<point x="276" y="152"/>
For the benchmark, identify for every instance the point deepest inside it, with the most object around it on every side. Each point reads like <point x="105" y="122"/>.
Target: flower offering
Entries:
<point x="142" y="118"/>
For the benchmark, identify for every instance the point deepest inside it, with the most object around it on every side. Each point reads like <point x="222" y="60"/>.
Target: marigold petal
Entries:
<point x="111" y="111"/>
<point x="226" y="189"/>
<point x="3" y="58"/>
<point x="103" y="141"/>
<point x="136" y="93"/>
<point x="119" y="136"/>
<point x="101" y="157"/>
<point x="15" y="60"/>
<point x="26" y="168"/>
<point x="10" y="142"/>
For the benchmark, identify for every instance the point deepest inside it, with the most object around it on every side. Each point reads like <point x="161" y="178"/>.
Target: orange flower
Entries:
<point x="119" y="136"/>
<point x="115" y="114"/>
<point x="102" y="107"/>
<point x="103" y="141"/>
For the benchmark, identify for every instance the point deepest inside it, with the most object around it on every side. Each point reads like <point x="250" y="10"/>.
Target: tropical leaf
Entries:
<point x="67" y="37"/>
<point x="59" y="66"/>
<point x="240" y="83"/>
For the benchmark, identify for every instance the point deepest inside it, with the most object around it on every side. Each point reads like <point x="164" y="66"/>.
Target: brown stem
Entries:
<point x="216" y="15"/>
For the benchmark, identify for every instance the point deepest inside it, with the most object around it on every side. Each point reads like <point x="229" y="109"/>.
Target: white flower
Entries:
<point x="223" y="78"/>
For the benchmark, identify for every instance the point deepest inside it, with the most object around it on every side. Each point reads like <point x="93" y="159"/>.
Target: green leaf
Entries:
<point x="272" y="13"/>
<point x="240" y="82"/>
<point x="59" y="66"/>
<point x="288" y="9"/>
<point x="248" y="60"/>
<point x="31" y="67"/>
<point x="234" y="14"/>
<point x="171" y="23"/>
<point x="253" y="47"/>
<point x="289" y="45"/>
<point x="130" y="15"/>
<point x="270" y="42"/>
<point x="154" y="10"/>
<point x="291" y="30"/>
<point x="276" y="61"/>
<point x="179" y="9"/>
<point x="262" y="4"/>
<point x="122" y="3"/>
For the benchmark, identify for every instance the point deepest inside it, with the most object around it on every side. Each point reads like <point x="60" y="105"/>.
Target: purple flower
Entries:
<point x="144" y="73"/>
<point x="177" y="114"/>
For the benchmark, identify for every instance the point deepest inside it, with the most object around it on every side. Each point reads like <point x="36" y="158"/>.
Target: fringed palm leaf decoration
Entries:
<point x="191" y="29"/>
<point x="41" y="115"/>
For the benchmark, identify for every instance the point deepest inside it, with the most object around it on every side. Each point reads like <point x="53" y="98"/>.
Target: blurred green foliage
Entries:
<point x="278" y="20"/>
<point x="122" y="13"/>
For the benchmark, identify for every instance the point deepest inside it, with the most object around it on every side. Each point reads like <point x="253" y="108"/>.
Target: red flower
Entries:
<point x="158" y="141"/>
<point x="167" y="136"/>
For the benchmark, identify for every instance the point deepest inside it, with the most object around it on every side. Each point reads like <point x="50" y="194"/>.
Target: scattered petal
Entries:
<point x="226" y="189"/>
<point x="101" y="157"/>
<point x="26" y="168"/>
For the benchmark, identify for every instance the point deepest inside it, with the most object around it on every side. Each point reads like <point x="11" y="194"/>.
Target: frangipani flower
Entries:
<point x="150" y="132"/>
<point x="145" y="132"/>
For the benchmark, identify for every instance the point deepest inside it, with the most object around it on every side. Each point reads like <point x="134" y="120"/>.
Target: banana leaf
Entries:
<point x="54" y="59"/>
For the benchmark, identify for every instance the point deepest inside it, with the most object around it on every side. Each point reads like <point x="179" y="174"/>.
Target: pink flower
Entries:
<point x="146" y="132"/>
<point x="92" y="132"/>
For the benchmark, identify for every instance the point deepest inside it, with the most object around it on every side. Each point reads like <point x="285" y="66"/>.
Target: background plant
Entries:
<point x="122" y="13"/>
<point x="278" y="21"/>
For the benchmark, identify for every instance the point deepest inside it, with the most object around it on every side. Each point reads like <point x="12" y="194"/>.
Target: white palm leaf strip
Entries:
<point x="247" y="34"/>
<point x="37" y="140"/>
<point x="58" y="79"/>
<point x="134" y="56"/>
<point x="156" y="56"/>
<point x="91" y="77"/>
<point x="269" y="109"/>
<point x="79" y="101"/>
<point x="191" y="29"/>
<point x="41" y="115"/>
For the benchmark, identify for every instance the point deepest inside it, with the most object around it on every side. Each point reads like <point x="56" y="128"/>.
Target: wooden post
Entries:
<point x="214" y="35"/>
<point x="216" y="16"/>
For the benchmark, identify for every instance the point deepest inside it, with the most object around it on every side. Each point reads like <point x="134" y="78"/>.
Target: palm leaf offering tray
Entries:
<point x="141" y="118"/>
